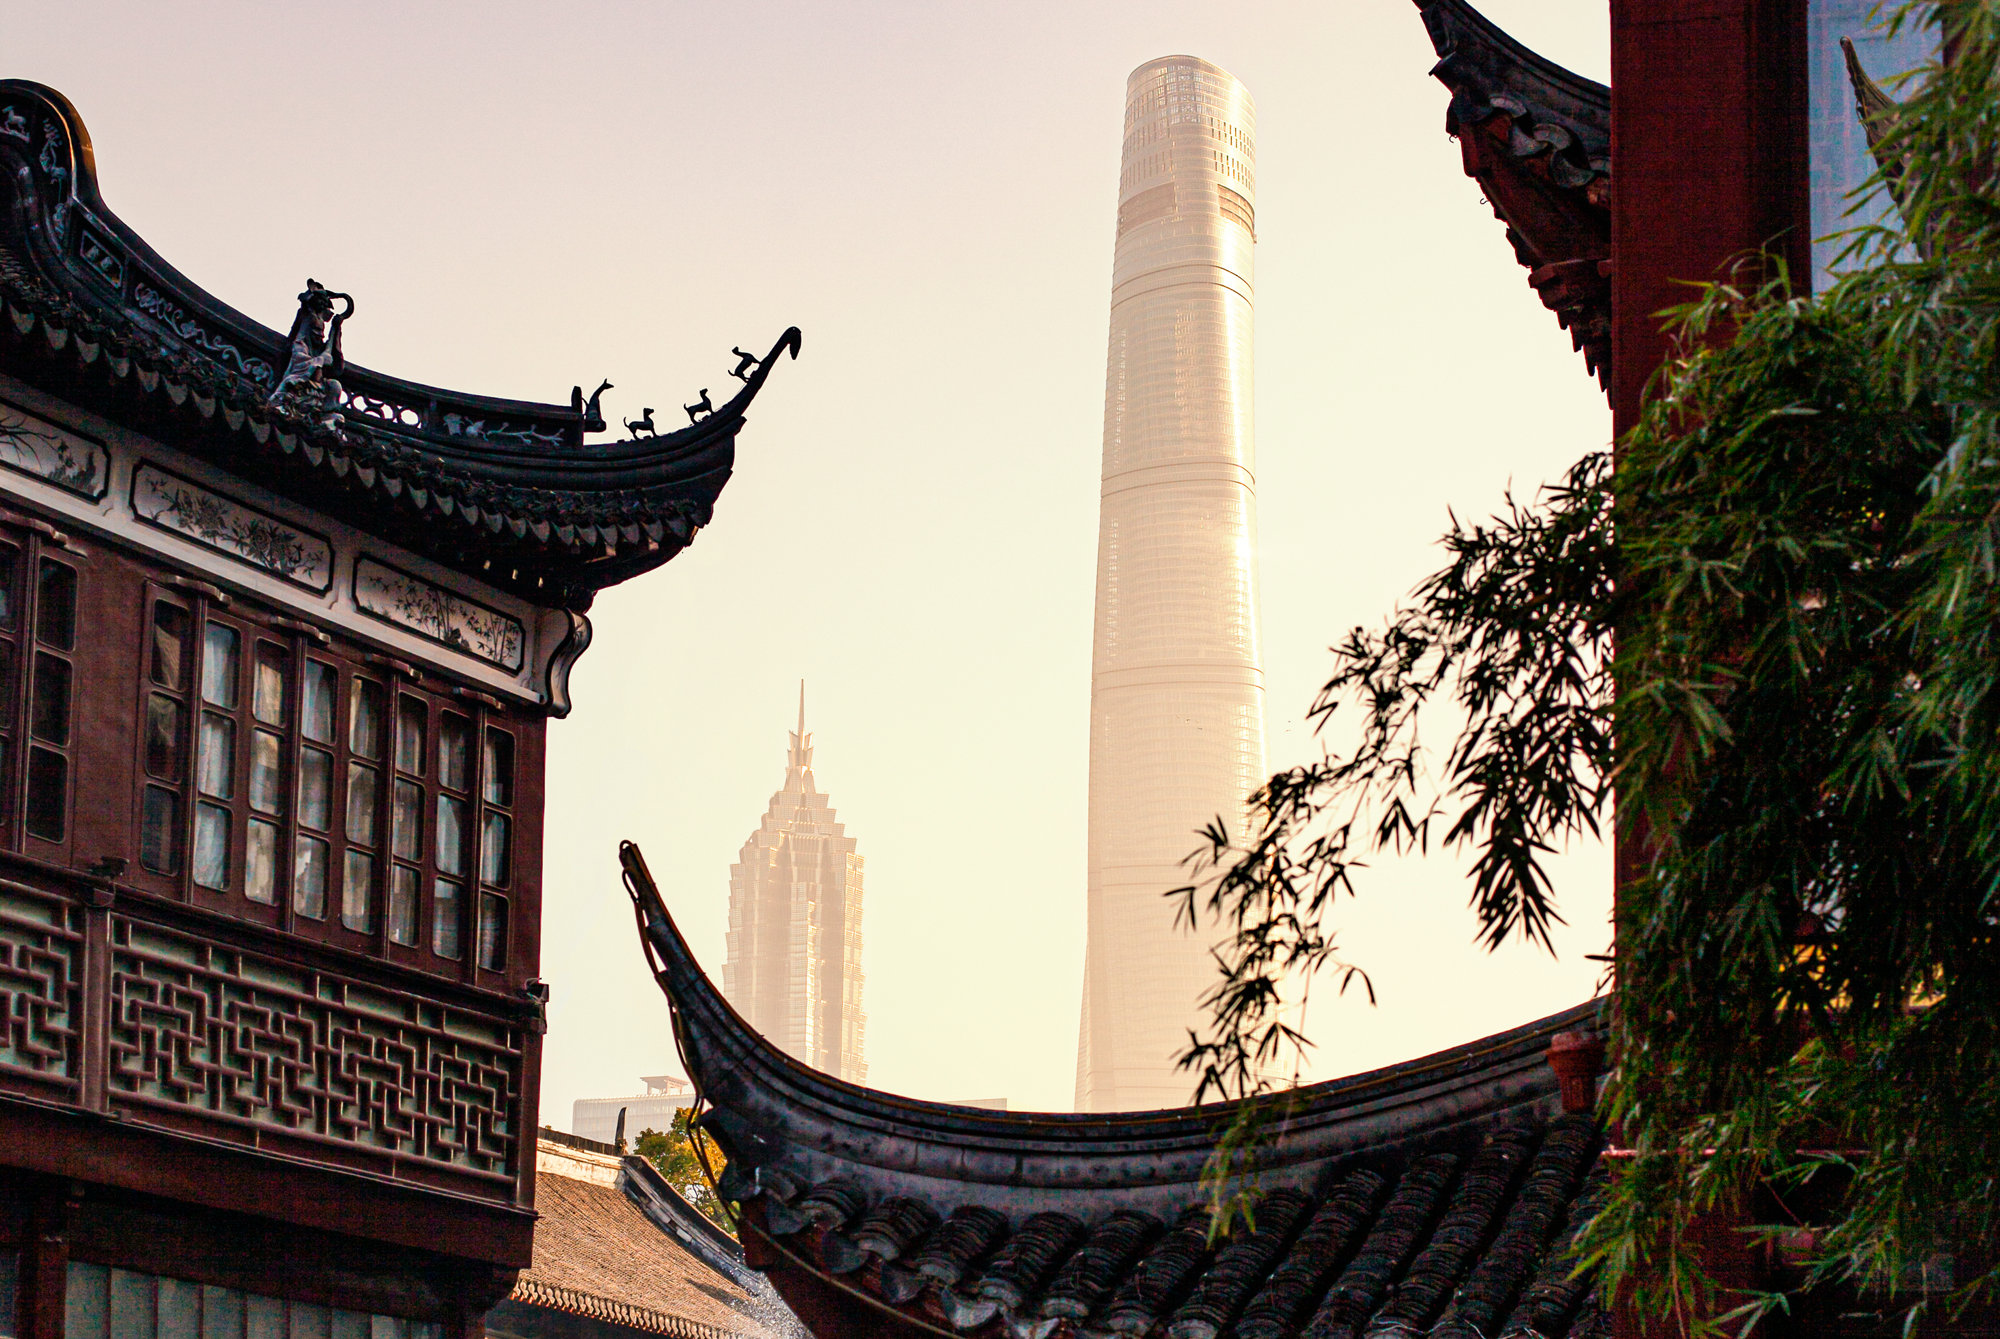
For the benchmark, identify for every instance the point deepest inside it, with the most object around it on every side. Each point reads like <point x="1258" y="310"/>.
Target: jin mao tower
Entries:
<point x="794" y="963"/>
<point x="1177" y="686"/>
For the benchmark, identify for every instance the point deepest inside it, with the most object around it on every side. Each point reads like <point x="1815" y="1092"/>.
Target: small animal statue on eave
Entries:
<point x="644" y="423"/>
<point x="700" y="408"/>
<point x="746" y="363"/>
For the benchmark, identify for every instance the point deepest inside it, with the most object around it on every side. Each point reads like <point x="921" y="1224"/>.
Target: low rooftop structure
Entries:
<point x="618" y="1252"/>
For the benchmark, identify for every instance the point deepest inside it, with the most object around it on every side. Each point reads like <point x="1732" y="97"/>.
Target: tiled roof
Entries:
<point x="1430" y="1198"/>
<point x="508" y="490"/>
<point x="615" y="1243"/>
<point x="1461" y="1241"/>
<point x="1537" y="138"/>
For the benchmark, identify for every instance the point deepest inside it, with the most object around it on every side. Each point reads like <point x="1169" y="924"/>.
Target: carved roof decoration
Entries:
<point x="505" y="490"/>
<point x="1537" y="138"/>
<point x="1434" y="1197"/>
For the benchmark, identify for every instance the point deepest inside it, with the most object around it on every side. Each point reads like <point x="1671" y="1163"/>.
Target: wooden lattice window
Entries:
<point x="321" y="790"/>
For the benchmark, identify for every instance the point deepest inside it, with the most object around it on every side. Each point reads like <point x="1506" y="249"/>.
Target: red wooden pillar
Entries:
<point x="1709" y="163"/>
<point x="1708" y="152"/>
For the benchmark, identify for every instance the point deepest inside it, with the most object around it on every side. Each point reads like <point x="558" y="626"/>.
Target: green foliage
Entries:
<point x="676" y="1157"/>
<point x="1799" y="552"/>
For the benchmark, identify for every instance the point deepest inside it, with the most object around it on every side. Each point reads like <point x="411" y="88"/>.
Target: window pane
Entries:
<point x="267" y="695"/>
<point x="260" y="863"/>
<point x="6" y="682"/>
<point x="55" y="606"/>
<point x="454" y="752"/>
<point x="499" y="767"/>
<point x="495" y="859"/>
<point x="163" y="737"/>
<point x="160" y="830"/>
<point x="315" y="788"/>
<point x="360" y="804"/>
<point x="48" y="714"/>
<point x="170" y="635"/>
<point x="219" y="659"/>
<point x="357" y="891"/>
<point x="266" y="796"/>
<point x="309" y="862"/>
<point x="493" y="932"/>
<point x="410" y="735"/>
<point x="406" y="823"/>
<point x="215" y="773"/>
<point x="451" y="835"/>
<point x="10" y="569"/>
<point x="364" y="720"/>
<point x="447" y="905"/>
<point x="211" y="846"/>
<point x="322" y="690"/>
<point x="48" y="791"/>
<point x="403" y="904"/>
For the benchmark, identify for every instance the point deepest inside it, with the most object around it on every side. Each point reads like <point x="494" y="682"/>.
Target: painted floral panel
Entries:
<point x="232" y="529"/>
<point x="33" y="447"/>
<point x="434" y="612"/>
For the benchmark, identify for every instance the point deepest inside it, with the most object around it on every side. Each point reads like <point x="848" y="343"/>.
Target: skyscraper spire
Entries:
<point x="802" y="754"/>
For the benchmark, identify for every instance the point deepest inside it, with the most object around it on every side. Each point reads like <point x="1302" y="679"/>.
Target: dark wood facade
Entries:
<point x="280" y="639"/>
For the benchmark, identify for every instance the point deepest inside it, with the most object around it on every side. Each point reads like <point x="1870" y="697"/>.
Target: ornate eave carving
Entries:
<point x="1537" y="139"/>
<point x="506" y="490"/>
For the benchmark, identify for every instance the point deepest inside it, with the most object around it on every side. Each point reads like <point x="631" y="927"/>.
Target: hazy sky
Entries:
<point x="526" y="196"/>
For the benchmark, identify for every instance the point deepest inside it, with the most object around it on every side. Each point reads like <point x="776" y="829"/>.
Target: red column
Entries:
<point x="1708" y="153"/>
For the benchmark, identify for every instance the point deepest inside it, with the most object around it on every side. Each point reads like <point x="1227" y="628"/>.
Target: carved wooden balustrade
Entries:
<point x="168" y="1017"/>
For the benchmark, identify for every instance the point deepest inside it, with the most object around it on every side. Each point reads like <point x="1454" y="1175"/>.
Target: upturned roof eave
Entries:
<point x="571" y="516"/>
<point x="782" y="1121"/>
<point x="1537" y="139"/>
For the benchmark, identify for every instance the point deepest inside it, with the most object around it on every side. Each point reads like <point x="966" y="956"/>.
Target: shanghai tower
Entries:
<point x="1177" y="686"/>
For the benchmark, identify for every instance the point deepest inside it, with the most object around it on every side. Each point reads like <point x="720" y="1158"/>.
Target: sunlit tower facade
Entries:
<point x="794" y="957"/>
<point x="1177" y="684"/>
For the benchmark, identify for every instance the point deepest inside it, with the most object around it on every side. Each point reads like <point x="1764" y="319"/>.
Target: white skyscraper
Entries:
<point x="1177" y="685"/>
<point x="794" y="963"/>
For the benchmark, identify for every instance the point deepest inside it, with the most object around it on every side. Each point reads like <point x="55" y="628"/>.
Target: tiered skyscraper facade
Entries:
<point x="1177" y="685"/>
<point x="794" y="961"/>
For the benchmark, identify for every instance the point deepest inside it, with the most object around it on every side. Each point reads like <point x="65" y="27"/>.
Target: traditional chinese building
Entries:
<point x="279" y="640"/>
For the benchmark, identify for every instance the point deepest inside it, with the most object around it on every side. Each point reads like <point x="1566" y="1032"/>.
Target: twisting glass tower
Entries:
<point x="794" y="964"/>
<point x="1177" y="687"/>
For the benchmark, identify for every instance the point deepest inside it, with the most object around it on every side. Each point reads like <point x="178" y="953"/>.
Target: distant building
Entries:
<point x="652" y="1109"/>
<point x="794" y="964"/>
<point x="1176" y="683"/>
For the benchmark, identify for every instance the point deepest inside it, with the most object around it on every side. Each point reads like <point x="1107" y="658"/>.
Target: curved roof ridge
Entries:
<point x="781" y="1121"/>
